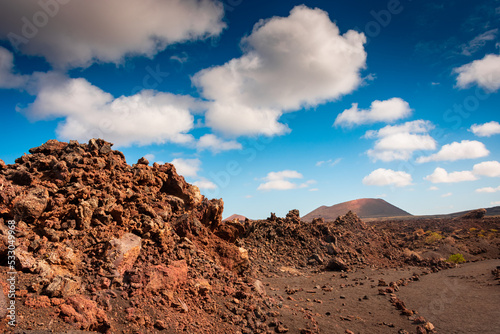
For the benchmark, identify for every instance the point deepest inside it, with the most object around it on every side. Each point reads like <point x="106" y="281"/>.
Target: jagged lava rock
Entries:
<point x="87" y="223"/>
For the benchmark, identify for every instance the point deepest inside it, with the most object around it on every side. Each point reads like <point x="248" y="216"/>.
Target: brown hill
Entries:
<point x="235" y="216"/>
<point x="364" y="208"/>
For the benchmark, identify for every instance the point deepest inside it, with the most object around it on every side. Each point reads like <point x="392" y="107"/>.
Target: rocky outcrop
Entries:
<point x="93" y="232"/>
<point x="474" y="214"/>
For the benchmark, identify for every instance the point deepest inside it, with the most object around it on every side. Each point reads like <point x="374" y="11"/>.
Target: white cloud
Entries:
<point x="487" y="168"/>
<point x="433" y="188"/>
<point x="440" y="175"/>
<point x="78" y="33"/>
<point x="190" y="168"/>
<point x="380" y="111"/>
<point x="478" y="42"/>
<point x="150" y="157"/>
<point x="329" y="162"/>
<point x="8" y="78"/>
<point x="187" y="167"/>
<point x="215" y="144"/>
<point x="385" y="177"/>
<point x="398" y="142"/>
<point x="281" y="181"/>
<point x="205" y="184"/>
<point x="486" y="129"/>
<point x="466" y="149"/>
<point x="484" y="72"/>
<point x="288" y="63"/>
<point x="495" y="203"/>
<point x="447" y="195"/>
<point x="313" y="189"/>
<point x="145" y="118"/>
<point x="488" y="190"/>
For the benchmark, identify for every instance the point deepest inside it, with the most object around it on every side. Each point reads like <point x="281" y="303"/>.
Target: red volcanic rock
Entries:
<point x="168" y="277"/>
<point x="92" y="230"/>
<point x="123" y="252"/>
<point x="32" y="205"/>
<point x="84" y="313"/>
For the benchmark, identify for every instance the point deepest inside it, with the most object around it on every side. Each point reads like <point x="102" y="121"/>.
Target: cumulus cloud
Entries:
<point x="487" y="168"/>
<point x="88" y="112"/>
<point x="440" y="175"/>
<point x="380" y="111"/>
<point x="386" y="177"/>
<point x="447" y="195"/>
<point x="288" y="63"/>
<point x="398" y="142"/>
<point x="187" y="167"/>
<point x="466" y="149"/>
<point x="8" y="78"/>
<point x="483" y="72"/>
<point x="281" y="181"/>
<point x="215" y="144"/>
<point x="433" y="188"/>
<point x="488" y="190"/>
<point x="486" y="129"/>
<point x="78" y="33"/>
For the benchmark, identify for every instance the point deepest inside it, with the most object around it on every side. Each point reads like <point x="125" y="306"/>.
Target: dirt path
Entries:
<point x="460" y="300"/>
<point x="335" y="302"/>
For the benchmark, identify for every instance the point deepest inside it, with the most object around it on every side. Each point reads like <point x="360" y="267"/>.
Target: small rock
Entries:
<point x="281" y="328"/>
<point x="259" y="287"/>
<point x="382" y="283"/>
<point x="419" y="320"/>
<point x="160" y="324"/>
<point x="429" y="326"/>
<point x="421" y="330"/>
<point x="143" y="161"/>
<point x="315" y="258"/>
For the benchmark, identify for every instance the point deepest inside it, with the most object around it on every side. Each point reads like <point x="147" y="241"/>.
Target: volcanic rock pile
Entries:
<point x="105" y="246"/>
<point x="340" y="245"/>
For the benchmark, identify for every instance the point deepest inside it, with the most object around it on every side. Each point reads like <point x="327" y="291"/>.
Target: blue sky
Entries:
<point x="270" y="105"/>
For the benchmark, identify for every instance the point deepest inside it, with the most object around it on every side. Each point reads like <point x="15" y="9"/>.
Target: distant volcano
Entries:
<point x="364" y="208"/>
<point x="236" y="216"/>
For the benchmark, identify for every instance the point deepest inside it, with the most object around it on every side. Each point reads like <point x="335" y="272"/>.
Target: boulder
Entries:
<point x="336" y="264"/>
<point x="63" y="286"/>
<point x="84" y="313"/>
<point x="32" y="205"/>
<point x="123" y="252"/>
<point x="167" y="277"/>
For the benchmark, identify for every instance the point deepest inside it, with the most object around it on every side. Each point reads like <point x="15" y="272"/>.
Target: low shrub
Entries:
<point x="456" y="258"/>
<point x="433" y="237"/>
